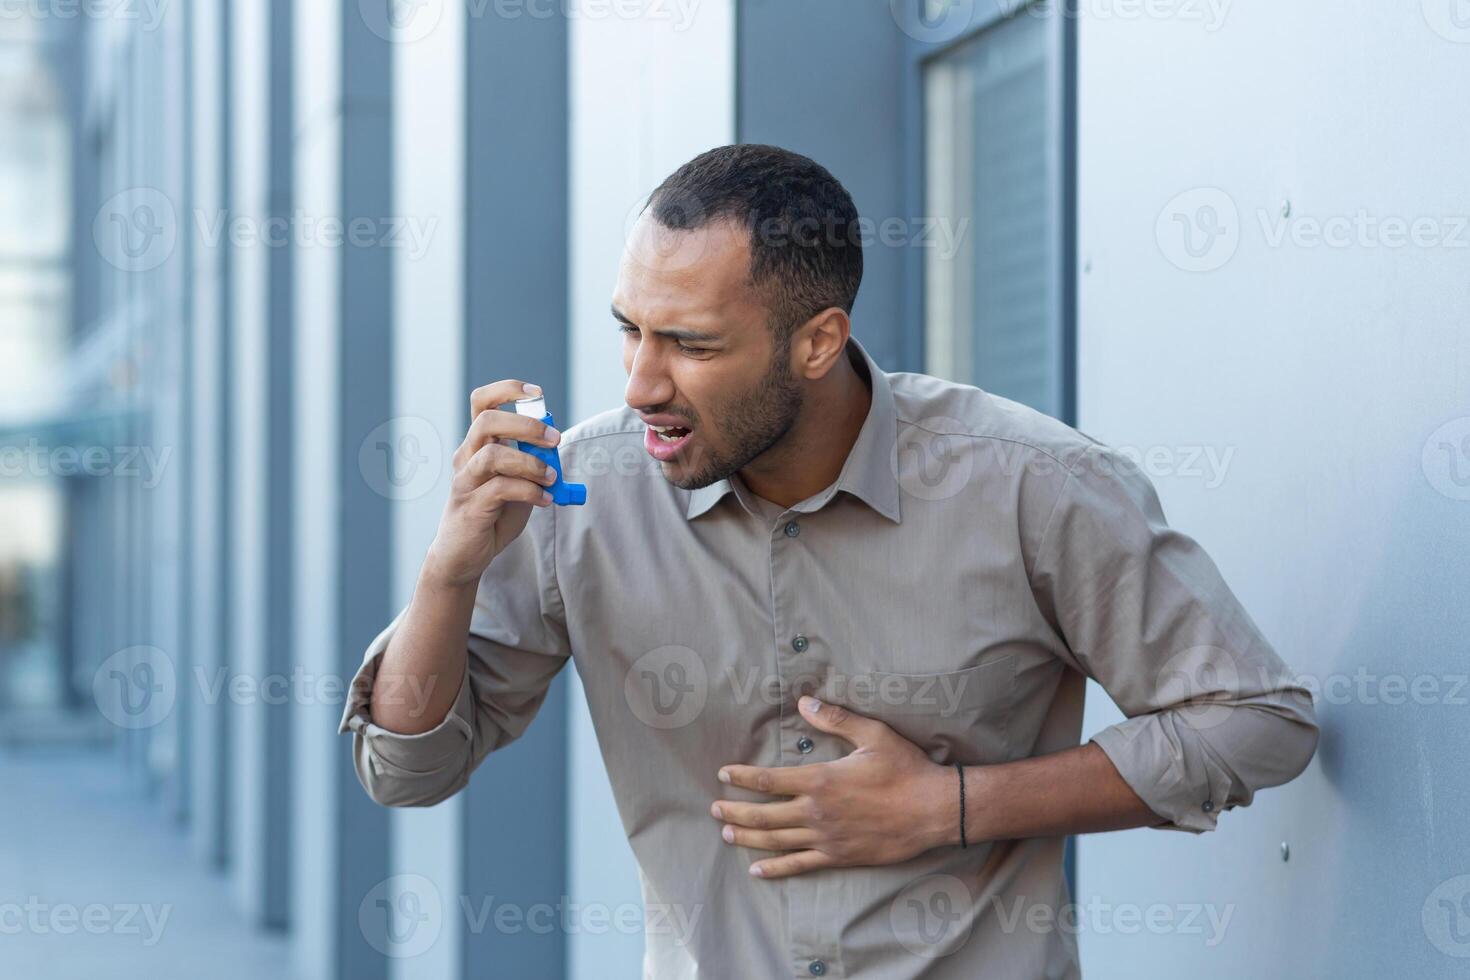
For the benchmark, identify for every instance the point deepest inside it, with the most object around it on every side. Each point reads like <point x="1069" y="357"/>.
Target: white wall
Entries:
<point x="647" y="94"/>
<point x="1319" y="375"/>
<point x="428" y="381"/>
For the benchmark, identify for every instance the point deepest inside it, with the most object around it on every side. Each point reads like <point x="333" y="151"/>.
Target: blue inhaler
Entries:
<point x="561" y="492"/>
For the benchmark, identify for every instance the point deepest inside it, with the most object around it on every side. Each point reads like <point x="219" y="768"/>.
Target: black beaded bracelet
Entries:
<point x="961" y="770"/>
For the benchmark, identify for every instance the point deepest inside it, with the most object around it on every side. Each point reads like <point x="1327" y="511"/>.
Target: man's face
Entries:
<point x="699" y="352"/>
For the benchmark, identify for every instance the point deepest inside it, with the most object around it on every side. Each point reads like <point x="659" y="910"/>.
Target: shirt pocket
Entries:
<point x="954" y="716"/>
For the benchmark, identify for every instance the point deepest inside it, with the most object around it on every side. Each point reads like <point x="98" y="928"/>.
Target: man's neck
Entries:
<point x="811" y="456"/>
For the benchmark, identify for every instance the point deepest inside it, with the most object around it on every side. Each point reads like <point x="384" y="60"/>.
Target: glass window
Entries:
<point x="993" y="138"/>
<point x="34" y="285"/>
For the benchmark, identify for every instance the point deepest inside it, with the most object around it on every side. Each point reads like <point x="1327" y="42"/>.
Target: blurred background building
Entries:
<point x="255" y="253"/>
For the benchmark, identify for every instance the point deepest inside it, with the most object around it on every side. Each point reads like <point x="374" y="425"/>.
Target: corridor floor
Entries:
<point x="96" y="882"/>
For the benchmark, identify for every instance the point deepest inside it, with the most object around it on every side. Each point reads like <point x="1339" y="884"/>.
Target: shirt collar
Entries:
<point x="870" y="472"/>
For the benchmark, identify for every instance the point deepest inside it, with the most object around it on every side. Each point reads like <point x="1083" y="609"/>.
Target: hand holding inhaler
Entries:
<point x="506" y="465"/>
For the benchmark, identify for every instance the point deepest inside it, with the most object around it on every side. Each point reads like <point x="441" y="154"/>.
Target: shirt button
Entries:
<point x="805" y="744"/>
<point x="816" y="968"/>
<point x="1208" y="806"/>
<point x="792" y="529"/>
<point x="799" y="643"/>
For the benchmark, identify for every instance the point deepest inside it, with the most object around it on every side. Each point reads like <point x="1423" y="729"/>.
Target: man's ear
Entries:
<point x="817" y="345"/>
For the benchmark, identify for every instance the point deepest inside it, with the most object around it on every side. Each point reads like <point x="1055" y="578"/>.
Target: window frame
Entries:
<point x="1062" y="100"/>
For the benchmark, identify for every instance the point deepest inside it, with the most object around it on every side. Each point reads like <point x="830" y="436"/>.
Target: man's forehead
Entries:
<point x="685" y="273"/>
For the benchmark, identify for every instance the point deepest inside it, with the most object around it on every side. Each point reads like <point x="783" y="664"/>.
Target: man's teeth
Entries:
<point x="669" y="433"/>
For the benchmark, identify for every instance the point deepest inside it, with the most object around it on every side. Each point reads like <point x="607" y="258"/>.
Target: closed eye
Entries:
<point x="629" y="329"/>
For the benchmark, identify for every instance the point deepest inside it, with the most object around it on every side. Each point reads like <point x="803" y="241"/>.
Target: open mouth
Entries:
<point x="664" y="441"/>
<point x="669" y="433"/>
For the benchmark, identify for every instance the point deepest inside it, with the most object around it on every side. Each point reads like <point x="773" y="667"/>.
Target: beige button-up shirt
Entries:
<point x="974" y="562"/>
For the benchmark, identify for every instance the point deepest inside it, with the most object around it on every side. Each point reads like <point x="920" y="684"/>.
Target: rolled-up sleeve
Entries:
<point x="516" y="644"/>
<point x="1212" y="713"/>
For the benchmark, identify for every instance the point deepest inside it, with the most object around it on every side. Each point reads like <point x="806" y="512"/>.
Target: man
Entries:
<point x="834" y="624"/>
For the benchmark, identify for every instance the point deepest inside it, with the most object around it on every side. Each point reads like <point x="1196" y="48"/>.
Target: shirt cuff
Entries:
<point x="1171" y="768"/>
<point x="421" y="753"/>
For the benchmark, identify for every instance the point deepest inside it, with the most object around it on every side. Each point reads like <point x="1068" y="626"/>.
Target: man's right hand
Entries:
<point x="494" y="488"/>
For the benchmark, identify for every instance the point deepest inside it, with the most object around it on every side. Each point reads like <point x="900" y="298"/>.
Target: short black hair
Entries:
<point x="806" y="252"/>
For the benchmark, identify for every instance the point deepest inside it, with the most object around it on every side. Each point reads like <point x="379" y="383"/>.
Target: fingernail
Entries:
<point x="550" y="473"/>
<point x="811" y="704"/>
<point x="755" y="869"/>
<point x="729" y="834"/>
<point x="552" y="435"/>
<point x="724" y="776"/>
<point x="545" y="497"/>
<point x="715" y="811"/>
<point x="530" y="389"/>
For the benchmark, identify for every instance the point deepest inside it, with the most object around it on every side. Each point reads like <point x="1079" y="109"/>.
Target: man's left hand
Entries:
<point x="884" y="803"/>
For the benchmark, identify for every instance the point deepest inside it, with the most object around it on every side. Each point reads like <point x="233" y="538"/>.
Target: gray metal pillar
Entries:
<point x="209" y="466"/>
<point x="517" y="321"/>
<point x="825" y="78"/>
<point x="260" y="393"/>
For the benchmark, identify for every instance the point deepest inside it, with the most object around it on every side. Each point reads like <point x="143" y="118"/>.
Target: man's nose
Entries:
<point x="649" y="384"/>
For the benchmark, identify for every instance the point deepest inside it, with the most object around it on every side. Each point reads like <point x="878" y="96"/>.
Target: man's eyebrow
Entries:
<point x="676" y="333"/>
